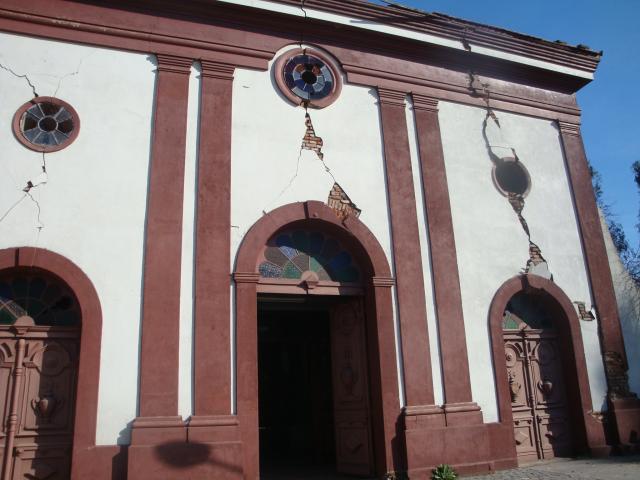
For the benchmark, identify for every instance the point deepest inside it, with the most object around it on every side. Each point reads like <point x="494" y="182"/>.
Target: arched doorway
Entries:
<point x="32" y="262"/>
<point x="313" y="375"/>
<point x="537" y="384"/>
<point x="39" y="347"/>
<point x="540" y="370"/>
<point x="324" y="282"/>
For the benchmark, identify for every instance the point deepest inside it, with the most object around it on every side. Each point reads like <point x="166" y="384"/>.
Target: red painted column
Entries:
<point x="406" y="251"/>
<point x="158" y="421"/>
<point x="444" y="265"/>
<point x="212" y="376"/>
<point x="393" y="458"/>
<point x="247" y="370"/>
<point x="163" y="242"/>
<point x="624" y="405"/>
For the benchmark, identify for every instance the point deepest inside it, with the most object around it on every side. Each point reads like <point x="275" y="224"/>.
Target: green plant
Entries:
<point x="443" y="472"/>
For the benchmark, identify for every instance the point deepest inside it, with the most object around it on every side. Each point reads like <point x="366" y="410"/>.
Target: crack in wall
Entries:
<point x="340" y="203"/>
<point x="70" y="74"/>
<point x="536" y="263"/>
<point x="26" y="78"/>
<point x="338" y="200"/>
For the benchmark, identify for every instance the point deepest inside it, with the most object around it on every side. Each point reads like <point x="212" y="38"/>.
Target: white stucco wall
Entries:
<point x="492" y="246"/>
<point x="93" y="204"/>
<point x="269" y="170"/>
<point x="628" y="298"/>
<point x="187" y="293"/>
<point x="425" y="252"/>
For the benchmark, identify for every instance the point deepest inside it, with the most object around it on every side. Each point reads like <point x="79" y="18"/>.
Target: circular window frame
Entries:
<point x="278" y="73"/>
<point x="497" y="184"/>
<point x="17" y="130"/>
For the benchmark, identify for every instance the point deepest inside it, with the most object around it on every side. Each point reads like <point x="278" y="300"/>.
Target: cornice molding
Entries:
<point x="391" y="97"/>
<point x="174" y="64"/>
<point x="567" y="128"/>
<point x="138" y="39"/>
<point x="463" y="31"/>
<point x="383" y="281"/>
<point x="452" y="86"/>
<point x="423" y="102"/>
<point x="246" y="277"/>
<point x="130" y="30"/>
<point x="219" y="70"/>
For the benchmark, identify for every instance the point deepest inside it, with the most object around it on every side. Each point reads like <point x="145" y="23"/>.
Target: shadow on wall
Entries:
<point x="196" y="456"/>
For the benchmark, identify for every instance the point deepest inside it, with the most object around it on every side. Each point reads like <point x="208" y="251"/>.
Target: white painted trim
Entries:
<point x="405" y="33"/>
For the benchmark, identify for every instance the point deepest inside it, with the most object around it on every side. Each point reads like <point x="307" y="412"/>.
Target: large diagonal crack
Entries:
<point x="17" y="75"/>
<point x="536" y="262"/>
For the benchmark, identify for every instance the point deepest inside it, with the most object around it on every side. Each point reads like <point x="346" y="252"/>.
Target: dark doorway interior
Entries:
<point x="295" y="389"/>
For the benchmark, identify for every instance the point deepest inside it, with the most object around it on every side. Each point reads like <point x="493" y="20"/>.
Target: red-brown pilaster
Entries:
<point x="444" y="266"/>
<point x="212" y="375"/>
<point x="624" y="405"/>
<point x="158" y="421"/>
<point x="247" y="370"/>
<point x="406" y="250"/>
<point x="163" y="242"/>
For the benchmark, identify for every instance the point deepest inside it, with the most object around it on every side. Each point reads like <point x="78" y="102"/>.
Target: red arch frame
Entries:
<point x="84" y="433"/>
<point x="590" y="434"/>
<point x="356" y="237"/>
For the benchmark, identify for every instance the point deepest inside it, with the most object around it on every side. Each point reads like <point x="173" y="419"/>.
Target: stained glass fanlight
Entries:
<point x="45" y="299"/>
<point x="290" y="254"/>
<point x="526" y="310"/>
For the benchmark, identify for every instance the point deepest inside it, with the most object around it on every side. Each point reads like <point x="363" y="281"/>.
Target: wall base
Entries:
<point x="474" y="448"/>
<point x="625" y="413"/>
<point x="165" y="448"/>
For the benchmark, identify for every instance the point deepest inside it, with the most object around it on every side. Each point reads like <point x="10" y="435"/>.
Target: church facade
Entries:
<point x="263" y="239"/>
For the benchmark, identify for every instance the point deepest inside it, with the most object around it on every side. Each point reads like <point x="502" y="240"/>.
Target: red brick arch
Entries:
<point x="591" y="436"/>
<point x="362" y="244"/>
<point x="84" y="434"/>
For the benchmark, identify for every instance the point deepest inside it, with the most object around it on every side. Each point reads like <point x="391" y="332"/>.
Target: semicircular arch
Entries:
<point x="84" y="435"/>
<point x="352" y="231"/>
<point x="568" y="324"/>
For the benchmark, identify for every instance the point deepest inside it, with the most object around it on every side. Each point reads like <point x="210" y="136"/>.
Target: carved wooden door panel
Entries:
<point x="351" y="390"/>
<point x="550" y="395"/>
<point x="40" y="385"/>
<point x="525" y="432"/>
<point x="538" y="397"/>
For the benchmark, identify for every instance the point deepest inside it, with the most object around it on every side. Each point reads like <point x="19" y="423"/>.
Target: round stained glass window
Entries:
<point x="46" y="124"/>
<point x="307" y="76"/>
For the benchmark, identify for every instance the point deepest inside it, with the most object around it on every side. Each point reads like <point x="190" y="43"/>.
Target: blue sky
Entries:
<point x="611" y="103"/>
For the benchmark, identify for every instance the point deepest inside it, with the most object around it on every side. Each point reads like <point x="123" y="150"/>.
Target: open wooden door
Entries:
<point x="354" y="452"/>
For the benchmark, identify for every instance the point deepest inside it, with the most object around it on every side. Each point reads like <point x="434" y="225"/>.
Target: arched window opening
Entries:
<point x="37" y="294"/>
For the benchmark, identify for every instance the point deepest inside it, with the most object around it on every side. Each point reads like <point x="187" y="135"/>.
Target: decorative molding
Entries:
<point x="567" y="128"/>
<point x="454" y="86"/>
<point x="211" y="69"/>
<point x="391" y="97"/>
<point x="135" y="39"/>
<point x="462" y="31"/>
<point x="383" y="281"/>
<point x="418" y="410"/>
<point x="213" y="421"/>
<point x="336" y="72"/>
<point x="423" y="102"/>
<point x="174" y="64"/>
<point x="87" y="24"/>
<point x="246" y="277"/>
